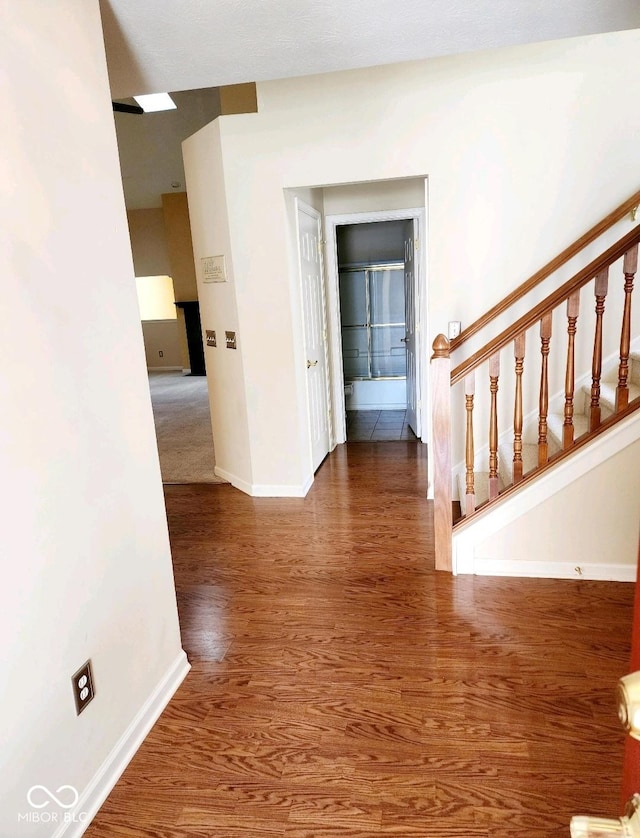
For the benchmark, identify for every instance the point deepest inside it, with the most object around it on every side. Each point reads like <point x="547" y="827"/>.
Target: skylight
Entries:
<point x="155" y="102"/>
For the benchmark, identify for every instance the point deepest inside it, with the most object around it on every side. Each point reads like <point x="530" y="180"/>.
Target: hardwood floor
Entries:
<point x="341" y="687"/>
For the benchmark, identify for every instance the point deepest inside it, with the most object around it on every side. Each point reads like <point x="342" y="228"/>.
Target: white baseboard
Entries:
<point x="235" y="481"/>
<point x="550" y="570"/>
<point x="113" y="767"/>
<point x="351" y="405"/>
<point x="185" y="370"/>
<point x="164" y="369"/>
<point x="265" y="490"/>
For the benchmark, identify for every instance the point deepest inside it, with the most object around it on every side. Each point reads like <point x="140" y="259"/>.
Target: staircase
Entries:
<point x="555" y="426"/>
<point x="558" y="377"/>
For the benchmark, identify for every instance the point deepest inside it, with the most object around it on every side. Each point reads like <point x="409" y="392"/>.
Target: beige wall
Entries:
<point x="238" y="98"/>
<point x="83" y="543"/>
<point x="148" y="242"/>
<point x="177" y="227"/>
<point x="523" y="148"/>
<point x="162" y="336"/>
<point x="149" y="146"/>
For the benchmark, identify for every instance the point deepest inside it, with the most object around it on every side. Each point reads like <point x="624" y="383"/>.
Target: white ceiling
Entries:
<point x="163" y="45"/>
<point x="188" y="45"/>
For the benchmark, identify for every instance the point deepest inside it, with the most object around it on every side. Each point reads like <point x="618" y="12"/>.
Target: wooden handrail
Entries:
<point x="552" y="266"/>
<point x="615" y="252"/>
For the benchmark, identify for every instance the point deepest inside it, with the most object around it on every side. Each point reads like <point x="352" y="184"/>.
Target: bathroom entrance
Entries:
<point x="376" y="277"/>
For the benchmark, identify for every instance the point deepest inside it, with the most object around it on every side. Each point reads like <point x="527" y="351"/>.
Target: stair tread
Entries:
<point x="608" y="393"/>
<point x="529" y="459"/>
<point x="555" y="423"/>
<point x="481" y="485"/>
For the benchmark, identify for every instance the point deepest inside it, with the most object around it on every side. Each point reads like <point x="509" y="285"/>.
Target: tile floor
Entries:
<point x="378" y="426"/>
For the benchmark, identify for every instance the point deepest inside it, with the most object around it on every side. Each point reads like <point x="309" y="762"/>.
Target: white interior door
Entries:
<point x="411" y="331"/>
<point x="315" y="335"/>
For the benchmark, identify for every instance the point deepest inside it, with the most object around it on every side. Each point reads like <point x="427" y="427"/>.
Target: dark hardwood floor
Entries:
<point x="341" y="687"/>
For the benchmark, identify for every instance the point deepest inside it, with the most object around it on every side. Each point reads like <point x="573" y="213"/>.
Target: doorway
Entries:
<point x="375" y="273"/>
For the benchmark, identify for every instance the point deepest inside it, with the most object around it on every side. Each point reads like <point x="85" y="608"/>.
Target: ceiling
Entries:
<point x="163" y="45"/>
<point x="196" y="45"/>
<point x="150" y="145"/>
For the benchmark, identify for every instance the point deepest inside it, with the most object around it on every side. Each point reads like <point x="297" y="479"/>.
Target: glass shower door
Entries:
<point x="354" y="306"/>
<point x="387" y="321"/>
<point x="373" y="322"/>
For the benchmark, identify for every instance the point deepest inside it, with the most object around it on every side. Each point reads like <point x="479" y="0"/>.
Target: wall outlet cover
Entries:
<point x="83" y="690"/>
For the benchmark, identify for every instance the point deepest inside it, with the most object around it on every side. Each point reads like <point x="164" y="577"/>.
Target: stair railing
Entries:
<point x="443" y="378"/>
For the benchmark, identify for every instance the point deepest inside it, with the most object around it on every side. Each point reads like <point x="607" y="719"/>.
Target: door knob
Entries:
<point x="628" y="696"/>
<point x="585" y="827"/>
<point x="311" y="364"/>
<point x="403" y="340"/>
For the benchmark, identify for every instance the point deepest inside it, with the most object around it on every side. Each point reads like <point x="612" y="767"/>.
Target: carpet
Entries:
<point x="183" y="427"/>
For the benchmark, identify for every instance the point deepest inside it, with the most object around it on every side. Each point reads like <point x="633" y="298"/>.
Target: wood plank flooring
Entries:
<point x="341" y="687"/>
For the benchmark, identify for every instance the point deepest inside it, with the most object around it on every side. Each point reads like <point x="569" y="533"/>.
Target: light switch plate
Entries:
<point x="231" y="340"/>
<point x="211" y="337"/>
<point x="455" y="327"/>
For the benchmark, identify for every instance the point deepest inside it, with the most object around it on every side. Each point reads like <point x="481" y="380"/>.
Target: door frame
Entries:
<point x="302" y="207"/>
<point x="336" y="374"/>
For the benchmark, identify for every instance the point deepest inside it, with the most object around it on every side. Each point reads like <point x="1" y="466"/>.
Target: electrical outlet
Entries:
<point x="83" y="687"/>
<point x="161" y="353"/>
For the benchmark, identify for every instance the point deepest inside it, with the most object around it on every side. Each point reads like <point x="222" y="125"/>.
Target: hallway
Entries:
<point x="341" y="687"/>
<point x="378" y="426"/>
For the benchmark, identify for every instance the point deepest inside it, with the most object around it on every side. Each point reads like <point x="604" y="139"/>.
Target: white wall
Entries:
<point x="376" y="395"/>
<point x="524" y="149"/>
<point x="86" y="566"/>
<point x="218" y="308"/>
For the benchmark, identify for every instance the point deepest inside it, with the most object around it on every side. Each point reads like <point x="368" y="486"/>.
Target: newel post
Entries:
<point x="441" y="407"/>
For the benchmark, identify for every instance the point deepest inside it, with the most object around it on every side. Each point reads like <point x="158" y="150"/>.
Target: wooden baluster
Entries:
<point x="494" y="372"/>
<point x="469" y="393"/>
<point x="630" y="267"/>
<point x="441" y="406"/>
<point x="573" y="307"/>
<point x="545" y="341"/>
<point x="519" y="345"/>
<point x="600" y="291"/>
